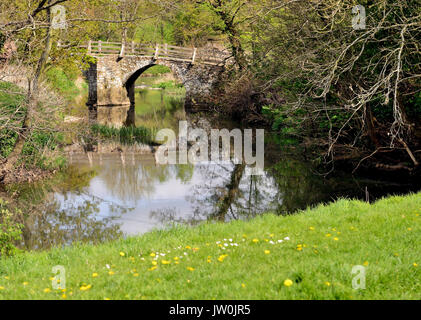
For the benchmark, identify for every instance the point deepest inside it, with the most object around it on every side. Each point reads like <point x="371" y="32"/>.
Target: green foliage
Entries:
<point x="195" y="24"/>
<point x="155" y="32"/>
<point x="39" y="150"/>
<point x="125" y="135"/>
<point x="12" y="110"/>
<point x="10" y="232"/>
<point x="11" y="97"/>
<point x="63" y="82"/>
<point x="169" y="85"/>
<point x="157" y="70"/>
<point x="7" y="142"/>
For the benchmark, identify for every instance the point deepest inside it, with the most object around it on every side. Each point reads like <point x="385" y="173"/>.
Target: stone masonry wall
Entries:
<point x="111" y="78"/>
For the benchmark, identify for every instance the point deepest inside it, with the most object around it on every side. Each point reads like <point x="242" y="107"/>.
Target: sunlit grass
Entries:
<point x="305" y="256"/>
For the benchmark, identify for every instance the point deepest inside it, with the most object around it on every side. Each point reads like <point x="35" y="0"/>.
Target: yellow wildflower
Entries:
<point x="190" y="268"/>
<point x="267" y="251"/>
<point x="288" y="283"/>
<point x="153" y="268"/>
<point x="94" y="275"/>
<point x="64" y="296"/>
<point x="243" y="285"/>
<point x="122" y="254"/>
<point x="328" y="235"/>
<point x="166" y="262"/>
<point x="415" y="264"/>
<point x="85" y="288"/>
<point x="111" y="273"/>
<point x="25" y="283"/>
<point x="154" y="263"/>
<point x="47" y="290"/>
<point x="255" y="240"/>
<point x="2" y="288"/>
<point x="327" y="283"/>
<point x="365" y="263"/>
<point x="311" y="228"/>
<point x="221" y="258"/>
<point x="336" y="239"/>
<point x="176" y="258"/>
<point x="152" y="254"/>
<point x="135" y="274"/>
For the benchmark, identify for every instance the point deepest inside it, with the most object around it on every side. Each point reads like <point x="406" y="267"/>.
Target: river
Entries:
<point x="111" y="195"/>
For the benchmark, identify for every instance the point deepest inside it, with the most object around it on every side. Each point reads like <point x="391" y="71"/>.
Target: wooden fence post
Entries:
<point x="121" y="55"/>
<point x="133" y="47"/>
<point x="89" y="46"/>
<point x="156" y="52"/>
<point x="194" y="55"/>
<point x="99" y="46"/>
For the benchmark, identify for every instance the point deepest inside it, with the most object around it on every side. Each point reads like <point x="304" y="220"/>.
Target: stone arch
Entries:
<point x="111" y="81"/>
<point x="129" y="79"/>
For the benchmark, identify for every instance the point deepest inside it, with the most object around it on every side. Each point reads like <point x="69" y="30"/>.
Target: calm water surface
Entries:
<point x="115" y="194"/>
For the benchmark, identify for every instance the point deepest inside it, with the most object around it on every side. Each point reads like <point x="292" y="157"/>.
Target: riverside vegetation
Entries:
<point x="341" y="97"/>
<point x="309" y="255"/>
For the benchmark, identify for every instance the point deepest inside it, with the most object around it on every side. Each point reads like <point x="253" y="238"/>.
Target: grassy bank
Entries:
<point x="306" y="256"/>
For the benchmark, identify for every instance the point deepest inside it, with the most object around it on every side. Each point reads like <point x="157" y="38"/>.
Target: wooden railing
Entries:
<point x="158" y="51"/>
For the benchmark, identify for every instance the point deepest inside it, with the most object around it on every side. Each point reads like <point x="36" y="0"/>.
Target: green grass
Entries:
<point x="157" y="70"/>
<point x="11" y="98"/>
<point x="384" y="236"/>
<point x="124" y="135"/>
<point x="64" y="83"/>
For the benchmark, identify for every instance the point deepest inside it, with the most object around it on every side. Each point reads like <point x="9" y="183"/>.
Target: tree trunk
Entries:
<point x="232" y="191"/>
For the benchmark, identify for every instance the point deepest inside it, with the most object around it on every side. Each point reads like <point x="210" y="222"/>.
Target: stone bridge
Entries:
<point x="118" y="65"/>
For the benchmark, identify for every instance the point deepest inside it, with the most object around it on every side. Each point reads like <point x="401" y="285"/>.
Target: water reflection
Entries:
<point x="152" y="109"/>
<point x="139" y="196"/>
<point x="51" y="218"/>
<point x="55" y="225"/>
<point x="107" y="195"/>
<point x="156" y="196"/>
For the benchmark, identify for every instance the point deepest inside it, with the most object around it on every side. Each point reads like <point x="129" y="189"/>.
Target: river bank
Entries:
<point x="309" y="255"/>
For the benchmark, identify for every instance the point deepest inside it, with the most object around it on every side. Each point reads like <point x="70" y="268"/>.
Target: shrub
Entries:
<point x="10" y="232"/>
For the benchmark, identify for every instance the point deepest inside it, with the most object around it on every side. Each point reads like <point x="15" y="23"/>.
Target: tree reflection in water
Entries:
<point x="47" y="223"/>
<point x="225" y="193"/>
<point x="55" y="226"/>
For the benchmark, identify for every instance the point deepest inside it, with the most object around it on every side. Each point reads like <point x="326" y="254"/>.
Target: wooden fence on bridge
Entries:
<point x="158" y="51"/>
